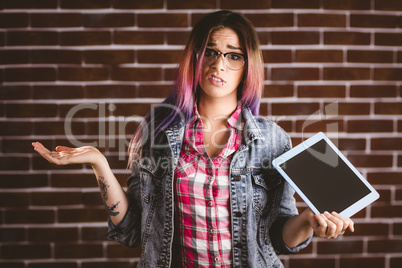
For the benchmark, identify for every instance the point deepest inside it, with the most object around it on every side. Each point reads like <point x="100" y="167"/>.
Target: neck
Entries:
<point x="216" y="110"/>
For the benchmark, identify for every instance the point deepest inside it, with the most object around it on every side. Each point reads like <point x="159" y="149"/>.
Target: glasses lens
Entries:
<point x="232" y="60"/>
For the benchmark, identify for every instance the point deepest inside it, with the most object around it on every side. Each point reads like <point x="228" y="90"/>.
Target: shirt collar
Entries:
<point x="234" y="121"/>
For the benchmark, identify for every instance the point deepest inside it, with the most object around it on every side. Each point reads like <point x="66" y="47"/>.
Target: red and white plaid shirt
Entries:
<point x="202" y="197"/>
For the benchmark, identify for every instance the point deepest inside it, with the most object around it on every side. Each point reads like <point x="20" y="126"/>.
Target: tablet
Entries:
<point x="324" y="178"/>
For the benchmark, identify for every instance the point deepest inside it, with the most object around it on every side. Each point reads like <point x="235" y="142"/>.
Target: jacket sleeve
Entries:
<point x="287" y="210"/>
<point x="128" y="230"/>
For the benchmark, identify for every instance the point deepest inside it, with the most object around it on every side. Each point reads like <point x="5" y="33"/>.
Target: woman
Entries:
<point x="203" y="192"/>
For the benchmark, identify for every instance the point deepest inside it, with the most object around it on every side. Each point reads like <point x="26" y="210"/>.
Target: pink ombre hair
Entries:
<point x="186" y="88"/>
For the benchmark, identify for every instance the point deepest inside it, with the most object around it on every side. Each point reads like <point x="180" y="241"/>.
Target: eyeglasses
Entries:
<point x="232" y="60"/>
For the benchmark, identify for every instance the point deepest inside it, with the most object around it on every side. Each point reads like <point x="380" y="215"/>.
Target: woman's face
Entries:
<point x="218" y="80"/>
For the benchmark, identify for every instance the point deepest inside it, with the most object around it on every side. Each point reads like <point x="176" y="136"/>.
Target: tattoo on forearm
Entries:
<point x="105" y="195"/>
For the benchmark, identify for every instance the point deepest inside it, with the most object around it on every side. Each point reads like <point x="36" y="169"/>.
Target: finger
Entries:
<point x="40" y="148"/>
<point x="335" y="226"/>
<point x="64" y="149"/>
<point x="321" y="229"/>
<point x="345" y="221"/>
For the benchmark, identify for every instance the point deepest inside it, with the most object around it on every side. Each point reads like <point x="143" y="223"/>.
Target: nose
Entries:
<point x="219" y="63"/>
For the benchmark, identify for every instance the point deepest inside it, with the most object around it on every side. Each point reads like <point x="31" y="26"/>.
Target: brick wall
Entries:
<point x="332" y="66"/>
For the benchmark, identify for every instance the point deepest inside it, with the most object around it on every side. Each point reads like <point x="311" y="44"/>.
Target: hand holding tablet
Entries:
<point x="324" y="178"/>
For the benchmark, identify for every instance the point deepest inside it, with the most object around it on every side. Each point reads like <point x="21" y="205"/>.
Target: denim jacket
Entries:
<point x="261" y="201"/>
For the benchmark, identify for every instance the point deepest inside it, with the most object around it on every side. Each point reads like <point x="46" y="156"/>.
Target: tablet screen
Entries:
<point x="327" y="181"/>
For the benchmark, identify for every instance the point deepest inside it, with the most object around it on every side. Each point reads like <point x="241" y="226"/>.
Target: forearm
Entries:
<point x="113" y="196"/>
<point x="297" y="229"/>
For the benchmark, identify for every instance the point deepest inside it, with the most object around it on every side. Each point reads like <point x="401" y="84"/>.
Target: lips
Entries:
<point x="216" y="80"/>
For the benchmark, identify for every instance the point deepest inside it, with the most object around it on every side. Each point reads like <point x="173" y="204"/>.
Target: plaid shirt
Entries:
<point x="202" y="197"/>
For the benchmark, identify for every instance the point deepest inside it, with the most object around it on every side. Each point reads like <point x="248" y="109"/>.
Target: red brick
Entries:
<point x="31" y="110"/>
<point x="14" y="163"/>
<point x="26" y="216"/>
<point x="58" y="264"/>
<point x="32" y="38"/>
<point x="287" y="74"/>
<point x="357" y="126"/>
<point x="159" y="56"/>
<point x="56" y="198"/>
<point x="295" y="38"/>
<point x="319" y="56"/>
<point x="361" y="160"/>
<point x="91" y="198"/>
<point x="191" y="4"/>
<point x="370" y="56"/>
<point x="177" y="38"/>
<point x="149" y="4"/>
<point x="321" y="91"/>
<point x="346" y="73"/>
<point x="13" y="20"/>
<point x="374" y="21"/>
<point x="305" y="126"/>
<point x="397" y="229"/>
<point x="386" y="144"/>
<point x="136" y="74"/>
<point x="28" y="4"/>
<point x="66" y="251"/>
<point x="388" y="108"/>
<point x="38" y="163"/>
<point x="58" y="92"/>
<point x="321" y="20"/>
<point x="286" y="125"/>
<point x="352" y="144"/>
<point x="277" y="56"/>
<point x="388" y="74"/>
<point x="271" y="20"/>
<point x="82" y="215"/>
<point x="278" y="91"/>
<point x="13" y="264"/>
<point x="399" y="56"/>
<point x="85" y="38"/>
<point x="14" y="56"/>
<point x="239" y="4"/>
<point x="351" y="108"/>
<point x="94" y="233"/>
<point x="128" y="109"/>
<point x="138" y="37"/>
<point x="64" y="180"/>
<point x="295" y="4"/>
<point x="57" y="234"/>
<point x="109" y="20"/>
<point x="12" y="234"/>
<point x="294" y="108"/>
<point x="169" y="74"/>
<point x="154" y="91"/>
<point x="119" y="251"/>
<point x="385" y="178"/>
<point x="373" y="91"/>
<point x="388" y="39"/>
<point x="83" y="74"/>
<point x="110" y="91"/>
<point x="388" y="246"/>
<point x="15" y="93"/>
<point x="392" y="5"/>
<point x="366" y="262"/>
<point x="395" y="262"/>
<point x="89" y="4"/>
<point x="370" y="229"/>
<point x="56" y="56"/>
<point x="29" y="74"/>
<point x="15" y="128"/>
<point x="346" y="38"/>
<point x="14" y="199"/>
<point x="59" y="20"/>
<point x="347" y="5"/>
<point x="109" y="56"/>
<point x="339" y="247"/>
<point x="10" y="181"/>
<point x="17" y="146"/>
<point x="109" y="264"/>
<point x="163" y="20"/>
<point x="35" y="251"/>
<point x="311" y="262"/>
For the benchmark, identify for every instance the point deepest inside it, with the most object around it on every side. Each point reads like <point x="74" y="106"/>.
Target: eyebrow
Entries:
<point x="228" y="46"/>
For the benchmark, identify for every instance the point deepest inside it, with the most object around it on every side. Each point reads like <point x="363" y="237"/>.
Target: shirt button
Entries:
<point x="210" y="203"/>
<point x="213" y="231"/>
<point x="210" y="178"/>
<point x="237" y="178"/>
<point x="216" y="259"/>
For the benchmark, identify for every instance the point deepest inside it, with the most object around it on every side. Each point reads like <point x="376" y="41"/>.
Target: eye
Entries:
<point x="210" y="53"/>
<point x="235" y="56"/>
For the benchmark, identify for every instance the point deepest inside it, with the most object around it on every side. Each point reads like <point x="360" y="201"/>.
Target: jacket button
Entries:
<point x="167" y="230"/>
<point x="238" y="214"/>
<point x="237" y="178"/>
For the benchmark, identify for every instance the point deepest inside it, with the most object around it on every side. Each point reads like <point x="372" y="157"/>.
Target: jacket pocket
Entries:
<point x="152" y="172"/>
<point x="264" y="192"/>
